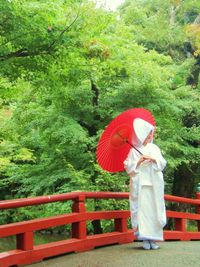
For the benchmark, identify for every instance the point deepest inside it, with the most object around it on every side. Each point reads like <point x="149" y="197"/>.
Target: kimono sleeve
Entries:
<point x="160" y="161"/>
<point x="131" y="162"/>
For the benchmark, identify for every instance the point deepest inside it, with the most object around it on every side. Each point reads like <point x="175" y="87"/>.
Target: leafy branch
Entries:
<point x="24" y="52"/>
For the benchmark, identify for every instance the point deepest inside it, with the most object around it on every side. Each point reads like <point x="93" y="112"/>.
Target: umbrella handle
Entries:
<point x="134" y="147"/>
<point x="126" y="140"/>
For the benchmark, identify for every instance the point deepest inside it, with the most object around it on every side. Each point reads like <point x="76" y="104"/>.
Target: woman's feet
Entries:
<point x="147" y="244"/>
<point x="154" y="245"/>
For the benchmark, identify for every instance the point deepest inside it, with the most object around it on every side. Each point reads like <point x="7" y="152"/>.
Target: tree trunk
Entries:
<point x="193" y="78"/>
<point x="183" y="182"/>
<point x="172" y="14"/>
<point x="183" y="186"/>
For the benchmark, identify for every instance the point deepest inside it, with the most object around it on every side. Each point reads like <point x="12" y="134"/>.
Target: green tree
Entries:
<point x="68" y="68"/>
<point x="170" y="27"/>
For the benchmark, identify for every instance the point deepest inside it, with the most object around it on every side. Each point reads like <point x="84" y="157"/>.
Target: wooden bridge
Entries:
<point x="27" y="252"/>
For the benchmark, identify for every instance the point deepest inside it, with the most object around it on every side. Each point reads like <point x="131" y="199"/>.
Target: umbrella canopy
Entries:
<point x="118" y="137"/>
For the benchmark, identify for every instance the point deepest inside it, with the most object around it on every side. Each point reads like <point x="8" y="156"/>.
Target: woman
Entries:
<point x="148" y="214"/>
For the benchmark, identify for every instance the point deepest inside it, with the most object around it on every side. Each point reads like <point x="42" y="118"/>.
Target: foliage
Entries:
<point x="68" y="68"/>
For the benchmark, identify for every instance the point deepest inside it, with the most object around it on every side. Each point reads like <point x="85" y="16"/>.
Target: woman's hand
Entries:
<point x="143" y="158"/>
<point x="149" y="158"/>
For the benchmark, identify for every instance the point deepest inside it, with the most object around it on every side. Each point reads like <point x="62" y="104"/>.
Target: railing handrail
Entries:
<point x="185" y="200"/>
<point x="31" y="201"/>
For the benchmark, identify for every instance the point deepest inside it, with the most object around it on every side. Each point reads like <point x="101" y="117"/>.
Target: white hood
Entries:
<point x="142" y="129"/>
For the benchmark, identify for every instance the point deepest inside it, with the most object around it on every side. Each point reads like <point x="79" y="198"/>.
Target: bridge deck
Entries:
<point x="172" y="253"/>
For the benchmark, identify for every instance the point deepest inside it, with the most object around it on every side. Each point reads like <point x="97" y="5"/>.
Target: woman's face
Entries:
<point x="149" y="138"/>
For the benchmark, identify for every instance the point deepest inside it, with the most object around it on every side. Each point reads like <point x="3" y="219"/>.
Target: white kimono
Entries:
<point x="147" y="205"/>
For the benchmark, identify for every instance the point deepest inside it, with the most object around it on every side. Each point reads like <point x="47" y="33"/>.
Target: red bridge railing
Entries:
<point x="26" y="252"/>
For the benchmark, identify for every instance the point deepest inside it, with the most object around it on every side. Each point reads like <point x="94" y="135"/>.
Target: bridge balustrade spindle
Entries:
<point x="198" y="211"/>
<point x="79" y="229"/>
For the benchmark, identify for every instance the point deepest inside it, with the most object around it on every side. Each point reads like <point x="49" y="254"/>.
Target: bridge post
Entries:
<point x="198" y="211"/>
<point x="180" y="225"/>
<point x="121" y="225"/>
<point x="24" y="241"/>
<point x="79" y="228"/>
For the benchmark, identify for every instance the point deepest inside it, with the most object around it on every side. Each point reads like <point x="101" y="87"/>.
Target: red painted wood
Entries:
<point x="121" y="225"/>
<point x="22" y="202"/>
<point x="184" y="215"/>
<point x="198" y="210"/>
<point x="79" y="228"/>
<point x="27" y="253"/>
<point x="180" y="224"/>
<point x="107" y="195"/>
<point x="108" y="215"/>
<point x="38" y="224"/>
<point x="182" y="200"/>
<point x="178" y="235"/>
<point x="24" y="241"/>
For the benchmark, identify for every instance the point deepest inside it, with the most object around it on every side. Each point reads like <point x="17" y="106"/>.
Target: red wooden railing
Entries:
<point x="26" y="252"/>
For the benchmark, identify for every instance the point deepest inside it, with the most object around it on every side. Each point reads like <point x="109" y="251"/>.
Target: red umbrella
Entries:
<point x="118" y="137"/>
